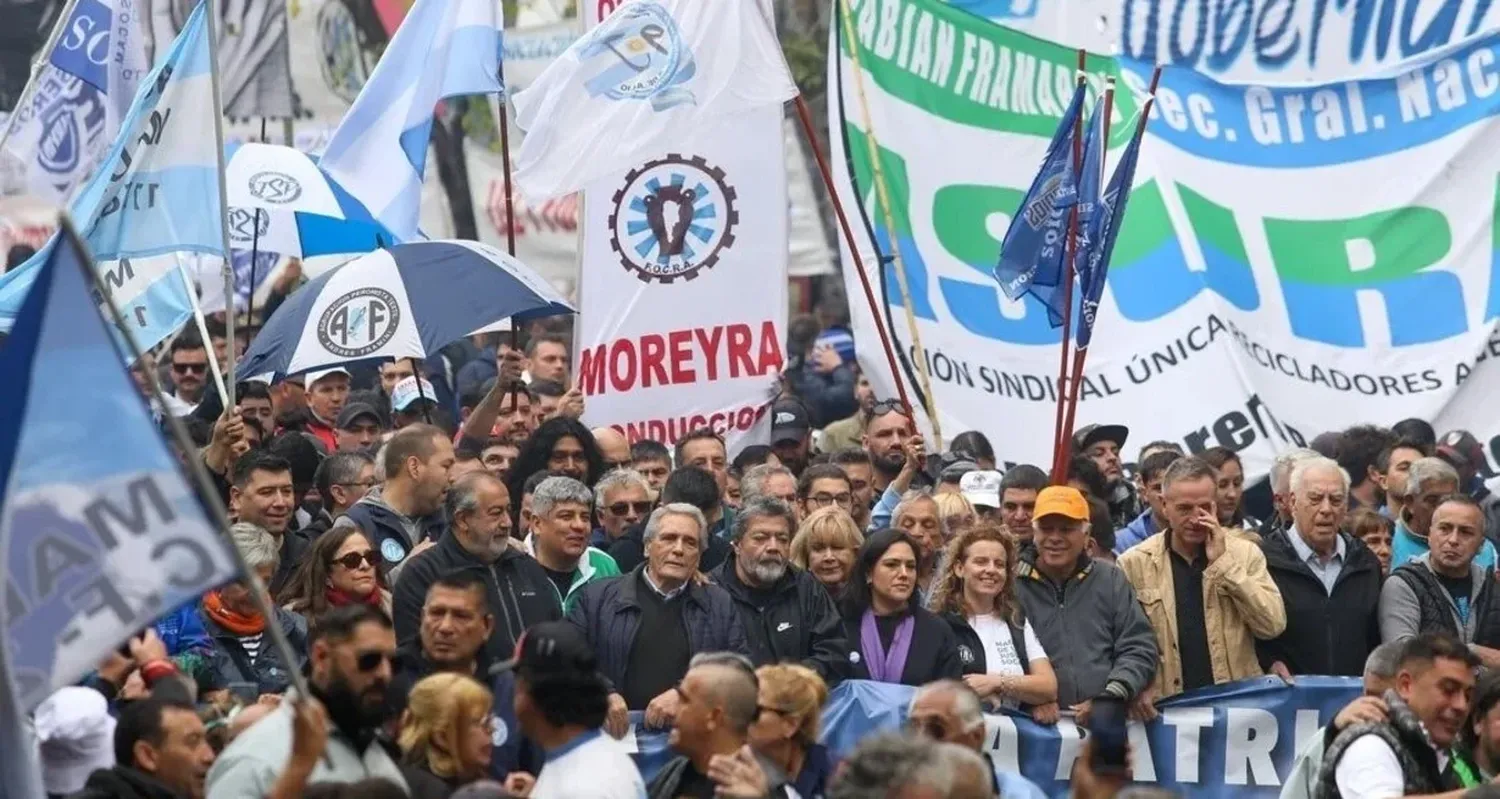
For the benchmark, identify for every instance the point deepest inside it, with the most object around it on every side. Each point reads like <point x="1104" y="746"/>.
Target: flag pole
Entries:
<point x="1059" y="450"/>
<point x="503" y="122"/>
<point x="28" y="92"/>
<point x="254" y="250"/>
<point x="1082" y="354"/>
<point x="882" y="194"/>
<point x="228" y="268"/>
<point x="208" y="493"/>
<point x="202" y="325"/>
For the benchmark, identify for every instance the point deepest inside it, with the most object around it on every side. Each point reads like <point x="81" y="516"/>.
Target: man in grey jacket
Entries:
<point x="350" y="652"/>
<point x="1445" y="588"/>
<point x="1084" y="611"/>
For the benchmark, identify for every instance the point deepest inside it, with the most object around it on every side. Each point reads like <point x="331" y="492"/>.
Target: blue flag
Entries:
<point x="156" y="193"/>
<point x="1091" y="174"/>
<point x="1032" y="252"/>
<point x="1100" y="233"/>
<point x="100" y="533"/>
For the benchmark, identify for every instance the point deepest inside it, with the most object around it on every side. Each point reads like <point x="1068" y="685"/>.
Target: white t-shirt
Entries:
<point x="1000" y="655"/>
<point x="593" y="765"/>
<point x="1369" y="769"/>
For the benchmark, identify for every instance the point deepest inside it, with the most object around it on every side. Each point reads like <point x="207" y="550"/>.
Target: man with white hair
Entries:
<point x="948" y="711"/>
<point x="1428" y="483"/>
<point x="1329" y="580"/>
<point x="622" y="500"/>
<point x="1281" y="487"/>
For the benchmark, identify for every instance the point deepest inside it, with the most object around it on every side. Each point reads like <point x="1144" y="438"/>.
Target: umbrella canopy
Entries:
<point x="405" y="302"/>
<point x="298" y="210"/>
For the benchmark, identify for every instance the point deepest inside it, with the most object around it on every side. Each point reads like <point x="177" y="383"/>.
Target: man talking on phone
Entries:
<point x="1205" y="590"/>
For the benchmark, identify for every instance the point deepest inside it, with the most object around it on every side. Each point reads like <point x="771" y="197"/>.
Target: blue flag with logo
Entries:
<point x="155" y="194"/>
<point x="100" y="533"/>
<point x="1098" y="236"/>
<point x="1032" y="251"/>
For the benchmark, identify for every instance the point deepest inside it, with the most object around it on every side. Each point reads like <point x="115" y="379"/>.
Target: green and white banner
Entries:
<point x="1293" y="259"/>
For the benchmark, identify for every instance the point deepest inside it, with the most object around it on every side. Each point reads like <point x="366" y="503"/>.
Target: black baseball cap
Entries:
<point x="788" y="421"/>
<point x="1089" y="435"/>
<point x="552" y="647"/>
<point x="355" y="410"/>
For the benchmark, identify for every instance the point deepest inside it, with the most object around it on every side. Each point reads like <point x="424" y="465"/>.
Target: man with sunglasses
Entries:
<point x="622" y="500"/>
<point x="350" y="653"/>
<point x="948" y="711"/>
<point x="189" y="373"/>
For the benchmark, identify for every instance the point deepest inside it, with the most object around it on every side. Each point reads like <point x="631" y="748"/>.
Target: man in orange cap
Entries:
<point x="1084" y="611"/>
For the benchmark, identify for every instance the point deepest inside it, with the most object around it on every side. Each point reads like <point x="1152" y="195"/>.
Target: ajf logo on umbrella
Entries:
<point x="360" y="322"/>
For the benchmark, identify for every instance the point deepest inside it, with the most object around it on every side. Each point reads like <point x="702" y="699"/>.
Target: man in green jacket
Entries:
<point x="561" y="513"/>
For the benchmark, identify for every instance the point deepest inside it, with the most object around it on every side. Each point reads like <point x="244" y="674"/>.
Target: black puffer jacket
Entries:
<point x="609" y="614"/>
<point x="124" y="783"/>
<point x="1329" y="635"/>
<point x="794" y="620"/>
<point x="518" y="592"/>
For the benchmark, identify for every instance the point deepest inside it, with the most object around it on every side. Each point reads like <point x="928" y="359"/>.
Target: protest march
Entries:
<point x="647" y="399"/>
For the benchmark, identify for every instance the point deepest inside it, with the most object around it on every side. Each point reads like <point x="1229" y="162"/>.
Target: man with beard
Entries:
<point x="517" y="591"/>
<point x="857" y="467"/>
<point x="1407" y="753"/>
<point x="405" y="510"/>
<point x="456" y="624"/>
<point x="788" y="614"/>
<point x="350" y="654"/>
<point x="1102" y="443"/>
<point x="887" y="430"/>
<point x="1476" y="756"/>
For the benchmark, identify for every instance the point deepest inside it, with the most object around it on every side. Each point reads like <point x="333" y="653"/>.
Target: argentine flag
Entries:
<point x="80" y="95"/>
<point x="444" y="48"/>
<point x="156" y="193"/>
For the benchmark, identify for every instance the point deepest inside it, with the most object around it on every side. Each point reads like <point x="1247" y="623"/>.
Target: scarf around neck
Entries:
<point x="240" y="624"/>
<point x="339" y="599"/>
<point x="883" y="665"/>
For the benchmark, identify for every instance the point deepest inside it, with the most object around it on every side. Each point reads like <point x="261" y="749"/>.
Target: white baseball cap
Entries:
<point x="313" y="377"/>
<point x="981" y="488"/>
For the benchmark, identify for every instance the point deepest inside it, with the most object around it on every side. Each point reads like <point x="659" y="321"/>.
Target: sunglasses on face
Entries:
<point x="352" y="560"/>
<point x="190" y="368"/>
<point x="622" y="508"/>
<point x="369" y="661"/>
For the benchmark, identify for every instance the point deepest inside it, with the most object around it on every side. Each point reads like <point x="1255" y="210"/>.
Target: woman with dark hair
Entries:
<point x="895" y="640"/>
<point x="561" y="445"/>
<point x="975" y="447"/>
<point x="1002" y="659"/>
<point x="340" y="568"/>
<point x="1231" y="491"/>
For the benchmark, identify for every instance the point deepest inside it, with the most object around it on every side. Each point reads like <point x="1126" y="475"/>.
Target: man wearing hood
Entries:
<point x="517" y="592"/>
<point x="406" y="510"/>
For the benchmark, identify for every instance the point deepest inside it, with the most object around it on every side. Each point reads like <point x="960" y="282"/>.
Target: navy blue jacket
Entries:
<point x="512" y="751"/>
<point x="388" y="530"/>
<point x="609" y="614"/>
<point x="228" y="662"/>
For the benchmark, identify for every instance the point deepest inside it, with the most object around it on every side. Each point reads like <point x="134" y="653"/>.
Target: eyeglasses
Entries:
<point x="360" y="484"/>
<point x="370" y="661"/>
<point x="622" y="508"/>
<point x="352" y="560"/>
<point x="823" y="500"/>
<point x="932" y="728"/>
<point x="190" y="368"/>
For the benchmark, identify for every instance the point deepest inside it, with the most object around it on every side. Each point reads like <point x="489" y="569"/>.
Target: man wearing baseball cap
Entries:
<point x="1102" y="444"/>
<point x="359" y="428"/>
<point x="561" y="702"/>
<point x="1084" y="611"/>
<point x="412" y="400"/>
<point x="791" y="433"/>
<point x="327" y="390"/>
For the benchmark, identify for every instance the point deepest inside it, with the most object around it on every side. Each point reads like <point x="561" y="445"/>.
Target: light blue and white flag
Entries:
<point x="83" y="93"/>
<point x="444" y="48"/>
<point x="156" y="193"/>
<point x="100" y="533"/>
<point x="647" y="79"/>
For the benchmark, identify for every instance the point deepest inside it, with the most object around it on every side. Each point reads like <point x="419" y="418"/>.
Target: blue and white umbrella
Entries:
<point x="299" y="210"/>
<point x="405" y="302"/>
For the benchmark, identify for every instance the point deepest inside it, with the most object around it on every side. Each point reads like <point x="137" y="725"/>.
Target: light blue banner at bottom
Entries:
<point x="1235" y="740"/>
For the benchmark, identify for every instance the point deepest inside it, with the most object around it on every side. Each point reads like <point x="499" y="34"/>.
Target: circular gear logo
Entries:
<point x="673" y="218"/>
<point x="275" y="187"/>
<point x="359" y="323"/>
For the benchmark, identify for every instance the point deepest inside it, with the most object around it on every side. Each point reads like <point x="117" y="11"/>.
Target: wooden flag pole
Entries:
<point x="228" y="270"/>
<point x="1059" y="456"/>
<point x="502" y="120"/>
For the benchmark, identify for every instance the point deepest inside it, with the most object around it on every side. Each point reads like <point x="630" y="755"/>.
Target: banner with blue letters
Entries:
<point x="1237" y="740"/>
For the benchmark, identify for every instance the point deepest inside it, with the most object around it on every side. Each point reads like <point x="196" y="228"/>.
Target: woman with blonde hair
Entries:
<point x="956" y="512"/>
<point x="976" y="594"/>
<point x="825" y="545"/>
<point x="786" y="726"/>
<point x="446" y="734"/>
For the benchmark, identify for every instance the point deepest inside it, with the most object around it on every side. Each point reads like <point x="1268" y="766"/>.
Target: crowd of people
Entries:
<point x="484" y="595"/>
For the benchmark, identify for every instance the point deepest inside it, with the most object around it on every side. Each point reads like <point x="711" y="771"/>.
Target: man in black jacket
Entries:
<point x="696" y="487"/>
<point x="161" y="752"/>
<point x="788" y="614"/>
<point x="517" y="590"/>
<point x="1329" y="580"/>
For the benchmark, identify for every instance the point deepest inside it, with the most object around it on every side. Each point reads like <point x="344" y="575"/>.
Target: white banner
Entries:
<point x="1293" y="260"/>
<point x="683" y="308"/>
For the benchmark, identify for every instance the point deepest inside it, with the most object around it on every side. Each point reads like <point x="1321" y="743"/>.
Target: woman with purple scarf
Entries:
<point x="894" y="639"/>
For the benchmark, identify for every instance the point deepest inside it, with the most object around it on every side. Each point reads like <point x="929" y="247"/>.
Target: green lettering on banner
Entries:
<point x="985" y="75"/>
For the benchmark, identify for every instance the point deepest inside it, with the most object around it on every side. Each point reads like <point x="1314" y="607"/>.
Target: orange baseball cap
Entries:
<point x="1061" y="501"/>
